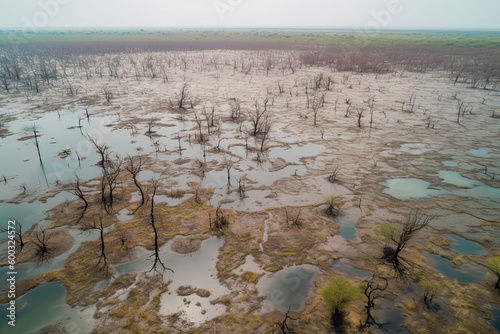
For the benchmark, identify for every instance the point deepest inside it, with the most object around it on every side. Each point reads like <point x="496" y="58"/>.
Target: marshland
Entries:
<point x="215" y="181"/>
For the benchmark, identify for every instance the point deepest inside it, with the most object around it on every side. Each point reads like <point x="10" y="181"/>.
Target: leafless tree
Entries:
<point x="183" y="96"/>
<point x="77" y="191"/>
<point x="108" y="94"/>
<point x="97" y="224"/>
<point x="35" y="136"/>
<point x="257" y="116"/>
<point x="415" y="221"/>
<point x="332" y="208"/>
<point x="235" y="106"/>
<point x="134" y="166"/>
<point x="373" y="286"/>
<point x="111" y="175"/>
<point x="265" y="128"/>
<point x="293" y="218"/>
<point x="42" y="238"/>
<point x="284" y="328"/>
<point x="360" y="115"/>
<point x="157" y="260"/>
<point x="220" y="222"/>
<point x="333" y="176"/>
<point x="241" y="186"/>
<point x="102" y="149"/>
<point x="228" y="164"/>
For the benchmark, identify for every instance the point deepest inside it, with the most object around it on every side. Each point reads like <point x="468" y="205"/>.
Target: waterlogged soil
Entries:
<point x="389" y="162"/>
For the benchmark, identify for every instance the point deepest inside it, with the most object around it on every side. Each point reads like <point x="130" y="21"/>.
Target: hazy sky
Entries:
<point x="360" y="14"/>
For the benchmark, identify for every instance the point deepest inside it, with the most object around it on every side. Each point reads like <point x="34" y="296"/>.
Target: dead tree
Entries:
<point x="332" y="208"/>
<point x="415" y="221"/>
<point x="334" y="175"/>
<point x="360" y="115"/>
<point x="35" y="136"/>
<point x="257" y="116"/>
<point x="102" y="256"/>
<point x="265" y="128"/>
<point x="157" y="260"/>
<point x="111" y="175"/>
<point x="462" y="109"/>
<point x="235" y="106"/>
<point x="134" y="166"/>
<point x="315" y="109"/>
<point x="373" y="286"/>
<point x="77" y="191"/>
<point x="108" y="94"/>
<point x="220" y="222"/>
<point x="102" y="149"/>
<point x="293" y="218"/>
<point x="241" y="186"/>
<point x="183" y="96"/>
<point x="228" y="164"/>
<point x="40" y="242"/>
<point x="283" y="326"/>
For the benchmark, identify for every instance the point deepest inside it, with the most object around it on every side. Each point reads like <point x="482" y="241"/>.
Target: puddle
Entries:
<point x="416" y="188"/>
<point x="389" y="315"/>
<point x="30" y="213"/>
<point x="495" y="312"/>
<point x="45" y="305"/>
<point x="472" y="189"/>
<point x="466" y="274"/>
<point x="196" y="269"/>
<point x="415" y="148"/>
<point x="409" y="188"/>
<point x="463" y="246"/>
<point x="482" y="153"/>
<point x="287" y="288"/>
<point x="458" y="180"/>
<point x="340" y="266"/>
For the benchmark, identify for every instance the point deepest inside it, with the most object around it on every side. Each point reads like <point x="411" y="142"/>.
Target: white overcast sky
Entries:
<point x="421" y="14"/>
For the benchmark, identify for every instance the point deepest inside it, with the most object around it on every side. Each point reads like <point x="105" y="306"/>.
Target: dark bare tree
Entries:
<point x="228" y="164"/>
<point x="332" y="208"/>
<point x="97" y="225"/>
<point x="40" y="242"/>
<point x="334" y="175"/>
<point x="241" y="186"/>
<point x="157" y="260"/>
<point x="220" y="222"/>
<point x="258" y="115"/>
<point x="183" y="96"/>
<point x="373" y="286"/>
<point x="134" y="166"/>
<point x="265" y="128"/>
<point x="283" y="327"/>
<point x="77" y="191"/>
<point x="35" y="136"/>
<point x="415" y="221"/>
<point x="111" y="175"/>
<point x="102" y="149"/>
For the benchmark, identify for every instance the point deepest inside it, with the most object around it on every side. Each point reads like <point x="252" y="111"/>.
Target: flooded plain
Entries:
<point x="208" y="162"/>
